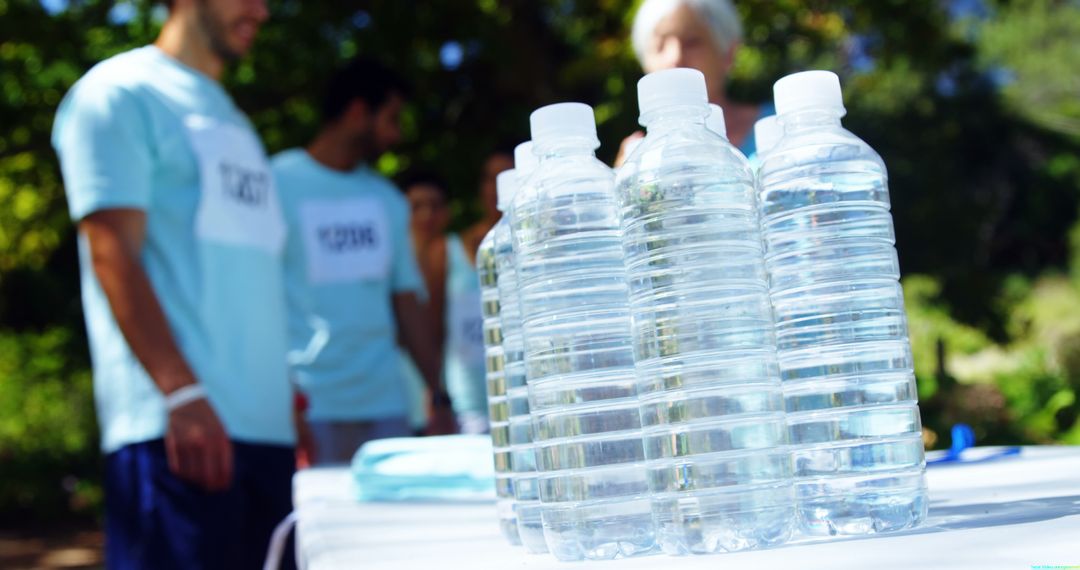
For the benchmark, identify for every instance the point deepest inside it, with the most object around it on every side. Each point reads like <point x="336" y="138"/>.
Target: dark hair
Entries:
<point x="426" y="177"/>
<point x="504" y="147"/>
<point x="364" y="79"/>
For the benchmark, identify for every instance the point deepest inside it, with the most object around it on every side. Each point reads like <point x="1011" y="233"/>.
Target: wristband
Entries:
<point x="441" y="400"/>
<point x="184" y="396"/>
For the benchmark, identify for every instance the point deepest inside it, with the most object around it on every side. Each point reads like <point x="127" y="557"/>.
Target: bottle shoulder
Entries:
<point x="684" y="151"/>
<point x="561" y="180"/>
<point x="670" y="141"/>
<point x="833" y="149"/>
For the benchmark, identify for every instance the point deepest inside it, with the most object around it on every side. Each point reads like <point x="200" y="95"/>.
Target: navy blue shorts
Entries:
<point x="153" y="520"/>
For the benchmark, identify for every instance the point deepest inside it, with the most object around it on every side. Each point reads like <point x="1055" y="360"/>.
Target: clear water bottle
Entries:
<point x="844" y="353"/>
<point x="715" y="121"/>
<point x="712" y="407"/>
<point x="578" y="352"/>
<point x="498" y="407"/>
<point x="523" y="457"/>
<point x="767" y="132"/>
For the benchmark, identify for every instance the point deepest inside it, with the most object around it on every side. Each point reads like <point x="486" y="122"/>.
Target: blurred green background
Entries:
<point x="974" y="104"/>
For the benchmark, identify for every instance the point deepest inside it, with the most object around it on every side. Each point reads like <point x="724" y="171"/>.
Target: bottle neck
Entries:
<point x="675" y="117"/>
<point x="810" y="119"/>
<point x="562" y="147"/>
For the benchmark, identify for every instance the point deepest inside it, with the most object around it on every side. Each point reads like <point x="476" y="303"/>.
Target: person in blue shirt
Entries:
<point x="454" y="287"/>
<point x="180" y="246"/>
<point x="352" y="281"/>
<point x="704" y="35"/>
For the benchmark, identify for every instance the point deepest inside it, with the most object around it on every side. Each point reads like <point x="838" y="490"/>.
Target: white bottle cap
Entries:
<point x="506" y="186"/>
<point x="807" y="90"/>
<point x="525" y="160"/>
<point x="767" y="132"/>
<point x="715" y="121"/>
<point x="563" y="121"/>
<point x="671" y="87"/>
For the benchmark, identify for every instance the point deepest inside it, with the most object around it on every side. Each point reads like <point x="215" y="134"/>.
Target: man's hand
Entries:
<point x="305" y="441"/>
<point x="441" y="419"/>
<point x="197" y="447"/>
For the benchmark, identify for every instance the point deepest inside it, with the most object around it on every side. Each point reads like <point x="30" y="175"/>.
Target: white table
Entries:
<point x="1020" y="512"/>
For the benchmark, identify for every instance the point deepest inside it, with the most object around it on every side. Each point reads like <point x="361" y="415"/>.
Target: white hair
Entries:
<point x="719" y="16"/>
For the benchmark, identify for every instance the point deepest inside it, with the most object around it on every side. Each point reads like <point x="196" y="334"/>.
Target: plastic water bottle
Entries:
<point x="767" y="132"/>
<point x="844" y="353"/>
<point x="712" y="406"/>
<point x="578" y="352"/>
<point x="715" y="121"/>
<point x="498" y="407"/>
<point x="523" y="457"/>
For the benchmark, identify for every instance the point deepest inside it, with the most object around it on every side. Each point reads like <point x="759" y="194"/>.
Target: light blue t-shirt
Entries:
<point x="347" y="254"/>
<point x="143" y="131"/>
<point x="463" y="364"/>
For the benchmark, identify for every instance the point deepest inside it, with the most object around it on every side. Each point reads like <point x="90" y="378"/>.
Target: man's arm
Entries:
<point x="435" y="281"/>
<point x="416" y="336"/>
<point x="198" y="448"/>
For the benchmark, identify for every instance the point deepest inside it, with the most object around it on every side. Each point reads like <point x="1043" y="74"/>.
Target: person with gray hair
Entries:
<point x="700" y="34"/>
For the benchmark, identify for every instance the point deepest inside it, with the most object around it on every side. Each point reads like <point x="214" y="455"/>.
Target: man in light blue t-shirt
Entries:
<point x="352" y="281"/>
<point x="180" y="241"/>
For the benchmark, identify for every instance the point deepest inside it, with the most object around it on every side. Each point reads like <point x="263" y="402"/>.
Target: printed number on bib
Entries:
<point x="466" y="327"/>
<point x="346" y="240"/>
<point x="239" y="204"/>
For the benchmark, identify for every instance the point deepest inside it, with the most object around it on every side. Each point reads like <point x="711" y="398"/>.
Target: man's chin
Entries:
<point x="229" y="52"/>
<point x="232" y="54"/>
<point x="241" y="48"/>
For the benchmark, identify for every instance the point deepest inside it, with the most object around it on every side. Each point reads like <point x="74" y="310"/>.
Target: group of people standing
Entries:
<point x="219" y="284"/>
<point x="448" y="263"/>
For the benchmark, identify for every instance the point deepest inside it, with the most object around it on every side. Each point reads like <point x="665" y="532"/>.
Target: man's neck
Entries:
<point x="335" y="151"/>
<point x="180" y="40"/>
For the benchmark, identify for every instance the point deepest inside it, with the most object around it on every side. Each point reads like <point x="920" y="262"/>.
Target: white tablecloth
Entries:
<point x="1020" y="513"/>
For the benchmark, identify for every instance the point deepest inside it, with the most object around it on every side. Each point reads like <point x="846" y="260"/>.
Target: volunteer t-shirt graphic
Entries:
<point x="345" y="240"/>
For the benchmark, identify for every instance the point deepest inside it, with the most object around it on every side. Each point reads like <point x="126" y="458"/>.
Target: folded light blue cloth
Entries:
<point x="441" y="468"/>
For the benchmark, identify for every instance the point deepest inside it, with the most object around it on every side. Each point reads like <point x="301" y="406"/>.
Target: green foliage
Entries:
<point x="929" y="321"/>
<point x="1024" y="389"/>
<point x="48" y="437"/>
<point x="1043" y="380"/>
<point x="1035" y="44"/>
<point x="976" y="118"/>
